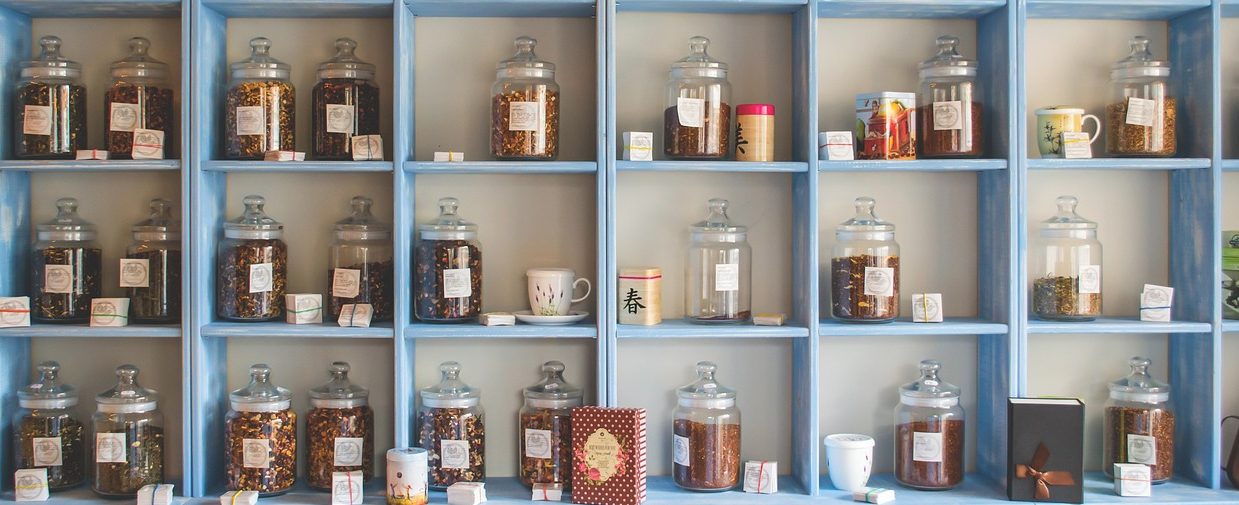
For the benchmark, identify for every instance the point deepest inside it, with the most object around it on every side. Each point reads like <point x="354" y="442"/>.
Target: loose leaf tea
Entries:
<point x="713" y="455"/>
<point x="557" y="469"/>
<point x="1060" y="298"/>
<point x="160" y="301"/>
<point x="72" y="470"/>
<point x="433" y="258"/>
<point x="251" y="469"/>
<point x="375" y="289"/>
<point x="277" y="122"/>
<point x="1154" y="422"/>
<point x="154" y="105"/>
<point x="531" y="138"/>
<point x="143" y="460"/>
<point x="82" y="282"/>
<point x="951" y="143"/>
<point x="927" y="474"/>
<point x="232" y="280"/>
<point x="1125" y="139"/>
<point x="330" y="143"/>
<point x="63" y="119"/>
<point x="323" y="427"/>
<point x="711" y="141"/>
<point x="847" y="280"/>
<point x="436" y="425"/>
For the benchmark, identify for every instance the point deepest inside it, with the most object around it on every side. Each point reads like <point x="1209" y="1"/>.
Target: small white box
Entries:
<point x="1132" y="479"/>
<point x="346" y="488"/>
<point x="1077" y="145"/>
<point x="283" y="156"/>
<point x="239" y="498"/>
<point x="91" y="154"/>
<point x="638" y="146"/>
<point x="448" y="157"/>
<point x="769" y="319"/>
<point x="14" y="311"/>
<point x="147" y="144"/>
<point x="927" y="307"/>
<point x="548" y="492"/>
<point x="30" y="485"/>
<point x="367" y="147"/>
<point x="498" y="319"/>
<point x="1155" y="303"/>
<point x="110" y="312"/>
<point x="761" y="477"/>
<point x="875" y="495"/>
<point x="836" y="145"/>
<point x="155" y="494"/>
<point x="356" y="315"/>
<point x="303" y="308"/>
<point x="466" y="493"/>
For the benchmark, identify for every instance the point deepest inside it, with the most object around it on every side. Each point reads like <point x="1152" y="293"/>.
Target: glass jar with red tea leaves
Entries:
<point x="451" y="427"/>
<point x="929" y="432"/>
<point x="346" y="103"/>
<point x="340" y="429"/>
<point x="138" y="104"/>
<point x="706" y="438"/>
<point x="545" y="436"/>
<point x="447" y="268"/>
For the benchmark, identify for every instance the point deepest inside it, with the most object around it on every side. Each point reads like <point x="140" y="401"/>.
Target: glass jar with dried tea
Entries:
<point x="340" y="429"/>
<point x="151" y="269"/>
<point x="1141" y="117"/>
<point x="45" y="432"/>
<point x="451" y="427"/>
<point x="447" y="268"/>
<point x="251" y="267"/>
<point x="128" y="429"/>
<point x="346" y="103"/>
<point x="49" y="110"/>
<point x="706" y="434"/>
<point x="359" y="264"/>
<point x="1065" y="266"/>
<point x="950" y="110"/>
<point x="719" y="274"/>
<point x="66" y="267"/>
<point x="260" y="106"/>
<point x="260" y="437"/>
<point x="864" y="268"/>
<point x="138" y="105"/>
<point x="524" y="120"/>
<point x="697" y="120"/>
<point x="1139" y="423"/>
<point x="545" y="436"/>
<point x="929" y="432"/>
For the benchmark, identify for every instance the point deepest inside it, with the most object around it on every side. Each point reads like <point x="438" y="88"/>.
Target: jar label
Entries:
<point x="260" y="278"/>
<point x="340" y="118"/>
<point x="348" y="451"/>
<point x="949" y="115"/>
<point x="691" y="111"/>
<point x="537" y="443"/>
<point x="457" y="283"/>
<point x="1140" y="111"/>
<point x="726" y="277"/>
<point x="123" y="117"/>
<point x="257" y="453"/>
<point x="134" y="273"/>
<point x="111" y="448"/>
<point x="879" y="281"/>
<point x="1142" y="449"/>
<point x="1090" y="279"/>
<point x="57" y="278"/>
<point x="37" y="120"/>
<point x="454" y="454"/>
<point x="251" y="120"/>
<point x="147" y="144"/>
<point x="46" y="451"/>
<point x="523" y="116"/>
<point x="927" y="447"/>
<point x="681" y="451"/>
<point x="345" y="283"/>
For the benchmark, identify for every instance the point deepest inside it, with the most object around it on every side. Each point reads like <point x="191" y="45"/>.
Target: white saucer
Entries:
<point x="527" y="317"/>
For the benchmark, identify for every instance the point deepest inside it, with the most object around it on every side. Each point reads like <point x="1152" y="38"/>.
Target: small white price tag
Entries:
<point x="1077" y="145"/>
<point x="256" y="453"/>
<point x="345" y="283"/>
<point x="927" y="447"/>
<point x="260" y="278"/>
<point x="1140" y="111"/>
<point x="46" y="451"/>
<point x="879" y="281"/>
<point x="251" y="120"/>
<point x="37" y="120"/>
<point x="134" y="273"/>
<point x="1090" y="279"/>
<point x="691" y="111"/>
<point x="523" y="116"/>
<point x="457" y="283"/>
<point x="537" y="443"/>
<point x="454" y="454"/>
<point x="57" y="278"/>
<point x="681" y="454"/>
<point x="339" y="118"/>
<point x="948" y="115"/>
<point x="124" y="117"/>
<point x="726" y="277"/>
<point x="1142" y="449"/>
<point x="348" y="451"/>
<point x="110" y="448"/>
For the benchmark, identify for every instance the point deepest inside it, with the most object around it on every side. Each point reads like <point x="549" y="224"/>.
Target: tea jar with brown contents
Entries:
<point x="66" y="268"/>
<point x="129" y="437"/>
<point x="447" y="268"/>
<point x="697" y="120"/>
<point x="137" y="121"/>
<point x="929" y="432"/>
<point x="360" y="262"/>
<point x="864" y="268"/>
<point x="49" y="112"/>
<point x="45" y="432"/>
<point x="340" y="428"/>
<point x="1139" y="423"/>
<point x="450" y="426"/>
<point x="151" y="269"/>
<point x="950" y="111"/>
<point x="260" y="105"/>
<point x="1065" y="266"/>
<point x="251" y="267"/>
<point x="719" y="270"/>
<point x="524" y="120"/>
<point x="260" y="437"/>
<point x="706" y="434"/>
<point x="1141" y="117"/>
<point x="346" y="103"/>
<point x="545" y="438"/>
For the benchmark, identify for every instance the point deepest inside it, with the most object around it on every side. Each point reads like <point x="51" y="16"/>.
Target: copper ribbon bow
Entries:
<point x="1043" y="479"/>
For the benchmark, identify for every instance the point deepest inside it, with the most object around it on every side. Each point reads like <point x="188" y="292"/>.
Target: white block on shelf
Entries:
<point x="109" y="312"/>
<point x="303" y="308"/>
<point x="14" y="311"/>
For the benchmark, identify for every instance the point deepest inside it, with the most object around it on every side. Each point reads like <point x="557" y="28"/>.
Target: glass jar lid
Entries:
<point x="50" y="63"/>
<point x="865" y="219"/>
<point x="525" y="64"/>
<point x="449" y="225"/>
<point x="160" y="226"/>
<point x="345" y="64"/>
<point x="929" y="390"/>
<point x="450" y="392"/>
<point x="339" y="392"/>
<point x="717" y="227"/>
<point x="698" y="63"/>
<point x="254" y="223"/>
<point x="948" y="62"/>
<point x="553" y="392"/>
<point x="1140" y="62"/>
<point x="139" y="64"/>
<point x="260" y="64"/>
<point x="1139" y="386"/>
<point x="261" y="395"/>
<point x="1066" y="218"/>
<point x="67" y="225"/>
<point x="706" y="393"/>
<point x="48" y="392"/>
<point x="127" y="396"/>
<point x="362" y="225"/>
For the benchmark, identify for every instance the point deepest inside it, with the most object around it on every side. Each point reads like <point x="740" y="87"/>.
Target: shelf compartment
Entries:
<point x="885" y="9"/>
<point x="91" y="165"/>
<point x="911" y="165"/>
<point x="1119" y="164"/>
<point x="712" y="6"/>
<point x="297" y="166"/>
<point x="96" y="8"/>
<point x="678" y="328"/>
<point x="280" y="329"/>
<point x="584" y="329"/>
<point x="1113" y="9"/>
<point x="1115" y="325"/>
<point x="301" y="8"/>
<point x="711" y="166"/>
<point x="501" y="167"/>
<point x="905" y="326"/>
<point x="83" y="331"/>
<point x="499" y="8"/>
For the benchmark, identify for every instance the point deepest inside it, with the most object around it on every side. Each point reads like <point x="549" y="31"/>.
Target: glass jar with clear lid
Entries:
<point x="929" y="432"/>
<point x="66" y="267"/>
<point x="1139" y="423"/>
<point x="49" y="108"/>
<point x="1141" y="117"/>
<point x="524" y="107"/>
<point x="151" y="270"/>
<point x="447" y="264"/>
<point x="260" y="437"/>
<point x="129" y="437"/>
<point x="252" y="266"/>
<point x="864" y="268"/>
<point x="949" y="105"/>
<point x="719" y="273"/>
<point x="706" y="434"/>
<point x="1066" y="266"/>
<point x="545" y="437"/>
<point x="451" y="427"/>
<point x="138" y="103"/>
<point x="697" y="120"/>
<point x="46" y="434"/>
<point x="346" y="103"/>
<point x="260" y="106"/>
<point x="360" y="268"/>
<point x="340" y="429"/>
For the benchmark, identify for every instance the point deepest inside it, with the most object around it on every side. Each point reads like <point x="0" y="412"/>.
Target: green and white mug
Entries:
<point x="1052" y="122"/>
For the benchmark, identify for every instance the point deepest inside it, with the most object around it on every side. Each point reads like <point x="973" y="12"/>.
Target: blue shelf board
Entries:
<point x="500" y="8"/>
<point x="1118" y="164"/>
<point x="661" y="489"/>
<point x="584" y="329"/>
<point x="1230" y="8"/>
<point x="91" y="165"/>
<point x="1113" y="9"/>
<point x="978" y="490"/>
<point x="712" y="6"/>
<point x="502" y="167"/>
<point x="281" y="329"/>
<point x="905" y="326"/>
<point x="301" y="8"/>
<point x="84" y="331"/>
<point x="374" y="493"/>
<point x="919" y="9"/>
<point x="910" y="165"/>
<point x="679" y="328"/>
<point x="1116" y="325"/>
<point x="1231" y="165"/>
<point x="297" y="166"/>
<point x="1230" y="326"/>
<point x="711" y="166"/>
<point x="95" y="8"/>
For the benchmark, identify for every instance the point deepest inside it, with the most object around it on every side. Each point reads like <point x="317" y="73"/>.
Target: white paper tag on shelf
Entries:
<point x="523" y="116"/>
<point x="30" y="484"/>
<point x="339" y="118"/>
<point x="147" y="144"/>
<point x="927" y="447"/>
<point x="537" y="443"/>
<point x="57" y="278"/>
<point x="681" y="451"/>
<point x="124" y="117"/>
<point x="927" y="307"/>
<point x="260" y="277"/>
<point x="111" y="448"/>
<point x="1156" y="315"/>
<point x="761" y="477"/>
<point x="948" y="115"/>
<point x="638" y="146"/>
<point x="46" y="451"/>
<point x="1140" y="111"/>
<point x="348" y="451"/>
<point x="134" y="273"/>
<point x="454" y="454"/>
<point x="1077" y="145"/>
<point x="448" y="157"/>
<point x="726" y="277"/>
<point x="356" y="315"/>
<point x="1090" y="279"/>
<point x="109" y="312"/>
<point x="256" y="453"/>
<point x="1142" y="449"/>
<point x="1156" y="297"/>
<point x="457" y="283"/>
<point x="37" y="120"/>
<point x="879" y="281"/>
<point x="251" y="120"/>
<point x="345" y="283"/>
<point x="691" y="111"/>
<point x="346" y="488"/>
<point x="14" y="311"/>
<point x="367" y="147"/>
<point x="91" y="154"/>
<point x="303" y="308"/>
<point x="837" y="145"/>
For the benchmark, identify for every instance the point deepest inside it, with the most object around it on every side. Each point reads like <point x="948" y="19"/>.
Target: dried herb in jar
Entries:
<point x="143" y="461"/>
<point x="333" y="133"/>
<point x="534" y="137"/>
<point x="927" y="474"/>
<point x="848" y="286"/>
<point x="557" y="469"/>
<point x="63" y="297"/>
<point x="436" y="425"/>
<point x="249" y="467"/>
<point x="160" y="301"/>
<point x="1126" y="139"/>
<point x="1155" y="422"/>
<point x="1060" y="297"/>
<point x="323" y="427"/>
<point x="247" y="135"/>
<point x="711" y="141"/>
<point x="375" y="289"/>
<point x="154" y="105"/>
<point x="433" y="258"/>
<point x="954" y="143"/>
<point x="232" y="280"/>
<point x="63" y="119"/>
<point x="713" y="455"/>
<point x="72" y="468"/>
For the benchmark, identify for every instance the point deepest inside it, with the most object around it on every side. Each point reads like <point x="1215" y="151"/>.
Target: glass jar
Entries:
<point x="545" y="436"/>
<point x="929" y="432"/>
<point x="451" y="427"/>
<point x="252" y="266"/>
<point x="864" y="268"/>
<point x="448" y="268"/>
<point x="260" y="437"/>
<point x="1066" y="266"/>
<point x="66" y="267"/>
<point x="1139" y="423"/>
<point x="139" y="99"/>
<point x="151" y="270"/>
<point x="950" y="105"/>
<point x="718" y="280"/>
<point x="1140" y="120"/>
<point x="346" y="103"/>
<point x="260" y="107"/>
<point x="706" y="434"/>
<point x="45" y="432"/>
<point x="524" y="119"/>
<point x="360" y="268"/>
<point x="128" y="437"/>
<point x="49" y="109"/>
<point x="697" y="121"/>
<point x="340" y="429"/>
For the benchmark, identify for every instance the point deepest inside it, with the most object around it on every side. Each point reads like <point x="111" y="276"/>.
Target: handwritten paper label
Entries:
<point x="110" y="448"/>
<point x="1090" y="279"/>
<point x="879" y="281"/>
<point x="948" y="115"/>
<point x="682" y="447"/>
<point x="256" y="453"/>
<point x="726" y="277"/>
<point x="348" y="451"/>
<point x="134" y="273"/>
<point x="251" y="120"/>
<point x="523" y="116"/>
<point x="37" y="120"/>
<point x="927" y="447"/>
<point x="537" y="443"/>
<point x="1140" y="111"/>
<point x="345" y="283"/>
<point x="457" y="283"/>
<point x="124" y="117"/>
<point x="339" y="118"/>
<point x="57" y="279"/>
<point x="454" y="454"/>
<point x="260" y="278"/>
<point x="691" y="111"/>
<point x="47" y="451"/>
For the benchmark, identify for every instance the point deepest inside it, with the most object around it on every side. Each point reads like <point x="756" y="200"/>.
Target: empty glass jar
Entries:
<point x="1139" y="423"/>
<point x="706" y="434"/>
<point x="340" y="429"/>
<point x="864" y="268"/>
<point x="697" y="121"/>
<point x="1141" y="118"/>
<point x="138" y="104"/>
<point x="447" y="283"/>
<point x="66" y="267"/>
<point x="151" y="270"/>
<point x="260" y="437"/>
<point x="545" y="439"/>
<point x="260" y="107"/>
<point x="525" y="107"/>
<point x="49" y="109"/>
<point x="719" y="273"/>
<point x="129" y="437"/>
<point x="346" y="103"/>
<point x="45" y="432"/>
<point x="929" y="432"/>
<point x="1066" y="266"/>
<point x="949" y="111"/>
<point x="452" y="429"/>
<point x="252" y="266"/>
<point x="360" y="268"/>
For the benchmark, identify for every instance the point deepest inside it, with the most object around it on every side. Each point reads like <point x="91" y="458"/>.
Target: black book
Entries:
<point x="1045" y="450"/>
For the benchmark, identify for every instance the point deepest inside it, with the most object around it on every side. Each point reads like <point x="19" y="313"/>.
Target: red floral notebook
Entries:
<point x="608" y="451"/>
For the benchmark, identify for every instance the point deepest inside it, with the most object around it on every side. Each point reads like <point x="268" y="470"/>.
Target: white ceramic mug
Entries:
<point x="849" y="457"/>
<point x="550" y="290"/>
